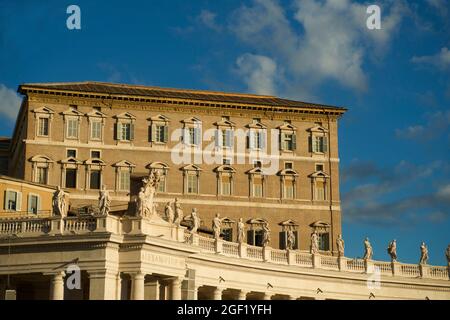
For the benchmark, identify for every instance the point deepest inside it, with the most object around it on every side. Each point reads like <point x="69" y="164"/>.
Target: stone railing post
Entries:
<point x="369" y="266"/>
<point x="396" y="270"/>
<point x="316" y="261"/>
<point x="424" y="271"/>
<point x="290" y="257"/>
<point x="267" y="253"/>
<point x="218" y="245"/>
<point x="56" y="225"/>
<point x="23" y="228"/>
<point x="242" y="250"/>
<point x="194" y="239"/>
<point x="342" y="261"/>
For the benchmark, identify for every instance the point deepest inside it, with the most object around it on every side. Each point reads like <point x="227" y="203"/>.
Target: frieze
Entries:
<point x="163" y="260"/>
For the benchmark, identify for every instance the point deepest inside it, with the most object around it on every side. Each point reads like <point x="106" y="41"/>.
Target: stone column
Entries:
<point x="217" y="294"/>
<point x="57" y="286"/>
<point x="316" y="260"/>
<point x="118" y="287"/>
<point x="175" y="289"/>
<point x="102" y="285"/>
<point x="137" y="286"/>
<point x="242" y="295"/>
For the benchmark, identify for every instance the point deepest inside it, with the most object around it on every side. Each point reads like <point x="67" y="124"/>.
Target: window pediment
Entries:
<point x="72" y="112"/>
<point x="125" y="115"/>
<point x="255" y="171"/>
<point x="41" y="158"/>
<point x="95" y="161"/>
<point x="256" y="125"/>
<point x="191" y="120"/>
<point x="124" y="163"/>
<point x="318" y="129"/>
<point x="159" y="118"/>
<point x="228" y="221"/>
<point x="287" y="127"/>
<point x="225" y="123"/>
<point x="157" y="165"/>
<point x="257" y="221"/>
<point x="288" y="172"/>
<point x="191" y="167"/>
<point x="319" y="174"/>
<point x="96" y="114"/>
<point x="43" y="110"/>
<point x="71" y="160"/>
<point x="288" y="222"/>
<point x="225" y="168"/>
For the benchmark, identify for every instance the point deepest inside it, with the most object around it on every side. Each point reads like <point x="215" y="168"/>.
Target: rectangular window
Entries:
<point x="95" y="180"/>
<point x="41" y="175"/>
<point x="191" y="135"/>
<point x="320" y="144"/>
<point x="192" y="186"/>
<point x="161" y="133"/>
<point x="43" y="127"/>
<point x="257" y="187"/>
<point x="124" y="180"/>
<point x="96" y="154"/>
<point x="71" y="153"/>
<point x="162" y="183"/>
<point x="227" y="234"/>
<point x="96" y="130"/>
<point x="319" y="167"/>
<point x="72" y="128"/>
<point x="71" y="178"/>
<point x="289" y="165"/>
<point x="289" y="189"/>
<point x="324" y="241"/>
<point x="125" y="132"/>
<point x="12" y="200"/>
<point x="320" y="190"/>
<point x="288" y="141"/>
<point x="226" y="186"/>
<point x="33" y="204"/>
<point x="226" y="161"/>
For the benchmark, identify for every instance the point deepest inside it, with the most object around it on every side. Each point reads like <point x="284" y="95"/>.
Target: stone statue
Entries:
<point x="146" y="207"/>
<point x="195" y="221"/>
<point x="290" y="240"/>
<point x="392" y="250"/>
<point x="179" y="216"/>
<point x="314" y="242"/>
<point x="59" y="202"/>
<point x="169" y="212"/>
<point x="217" y="225"/>
<point x="104" y="201"/>
<point x="423" y="254"/>
<point x="340" y="245"/>
<point x="447" y="254"/>
<point x="369" y="252"/>
<point x="240" y="231"/>
<point x="266" y="234"/>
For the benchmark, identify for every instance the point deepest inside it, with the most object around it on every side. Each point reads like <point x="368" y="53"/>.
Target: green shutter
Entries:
<point x="217" y="138"/>
<point x="19" y="201"/>
<point x="152" y="133"/>
<point x="166" y="134"/>
<point x="131" y="131"/>
<point x="116" y="131"/>
<point x="310" y="144"/>
<point x="29" y="203"/>
<point x="294" y="141"/>
<point x="6" y="200"/>
<point x="251" y="139"/>
<point x="325" y="144"/>
<point x="262" y="139"/>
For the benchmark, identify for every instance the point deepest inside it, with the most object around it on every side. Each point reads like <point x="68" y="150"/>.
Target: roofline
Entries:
<point x="27" y="182"/>
<point x="24" y="88"/>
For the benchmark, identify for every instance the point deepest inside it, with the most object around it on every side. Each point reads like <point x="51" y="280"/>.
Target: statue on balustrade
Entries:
<point x="146" y="207"/>
<point x="340" y="245"/>
<point x="447" y="254"/>
<point x="314" y="242"/>
<point x="240" y="231"/>
<point x="392" y="250"/>
<point x="104" y="201"/>
<point x="368" y="250"/>
<point x="179" y="215"/>
<point x="423" y="253"/>
<point x="60" y="202"/>
<point x="290" y="239"/>
<point x="169" y="212"/>
<point x="266" y="234"/>
<point x="195" y="221"/>
<point x="217" y="225"/>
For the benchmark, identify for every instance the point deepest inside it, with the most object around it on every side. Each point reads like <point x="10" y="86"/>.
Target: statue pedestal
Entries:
<point x="424" y="270"/>
<point x="153" y="226"/>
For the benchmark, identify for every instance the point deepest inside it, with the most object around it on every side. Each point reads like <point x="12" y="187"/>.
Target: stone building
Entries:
<point x="84" y="135"/>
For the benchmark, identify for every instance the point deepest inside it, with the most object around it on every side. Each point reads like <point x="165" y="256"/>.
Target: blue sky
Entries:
<point x="394" y="141"/>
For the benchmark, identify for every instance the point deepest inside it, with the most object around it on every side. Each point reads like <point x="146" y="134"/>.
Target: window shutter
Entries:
<point x="251" y="139"/>
<point x="197" y="135"/>
<point x="230" y="136"/>
<point x="296" y="240"/>
<point x="325" y="144"/>
<point x="282" y="240"/>
<point x="294" y="141"/>
<point x="116" y="131"/>
<point x="29" y="203"/>
<point x="7" y="195"/>
<point x="310" y="144"/>
<point x="152" y="133"/>
<point x="280" y="140"/>
<point x="263" y="139"/>
<point x="166" y="134"/>
<point x="38" y="204"/>
<point x="19" y="201"/>
<point x="216" y="138"/>
<point x="131" y="131"/>
<point x="251" y="237"/>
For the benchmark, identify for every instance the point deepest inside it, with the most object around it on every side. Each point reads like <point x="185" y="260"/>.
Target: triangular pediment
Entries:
<point x="159" y="118"/>
<point x="43" y="110"/>
<point x="95" y="161"/>
<point x="72" y="112"/>
<point x="256" y="125"/>
<point x="191" y="120"/>
<point x="124" y="163"/>
<point x="287" y="127"/>
<point x="96" y="114"/>
<point x="125" y="115"/>
<point x="72" y="160"/>
<point x="319" y="174"/>
<point x="191" y="167"/>
<point x="255" y="170"/>
<point x="225" y="123"/>
<point x="318" y="129"/>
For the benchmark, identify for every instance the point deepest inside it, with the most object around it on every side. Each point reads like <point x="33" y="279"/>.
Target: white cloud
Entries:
<point x="331" y="41"/>
<point x="437" y="123"/>
<point x="440" y="60"/>
<point x="440" y="5"/>
<point x="259" y="73"/>
<point x="9" y="103"/>
<point x="208" y="19"/>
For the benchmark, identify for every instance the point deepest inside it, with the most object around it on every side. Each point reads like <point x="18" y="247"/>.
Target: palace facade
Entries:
<point x="260" y="158"/>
